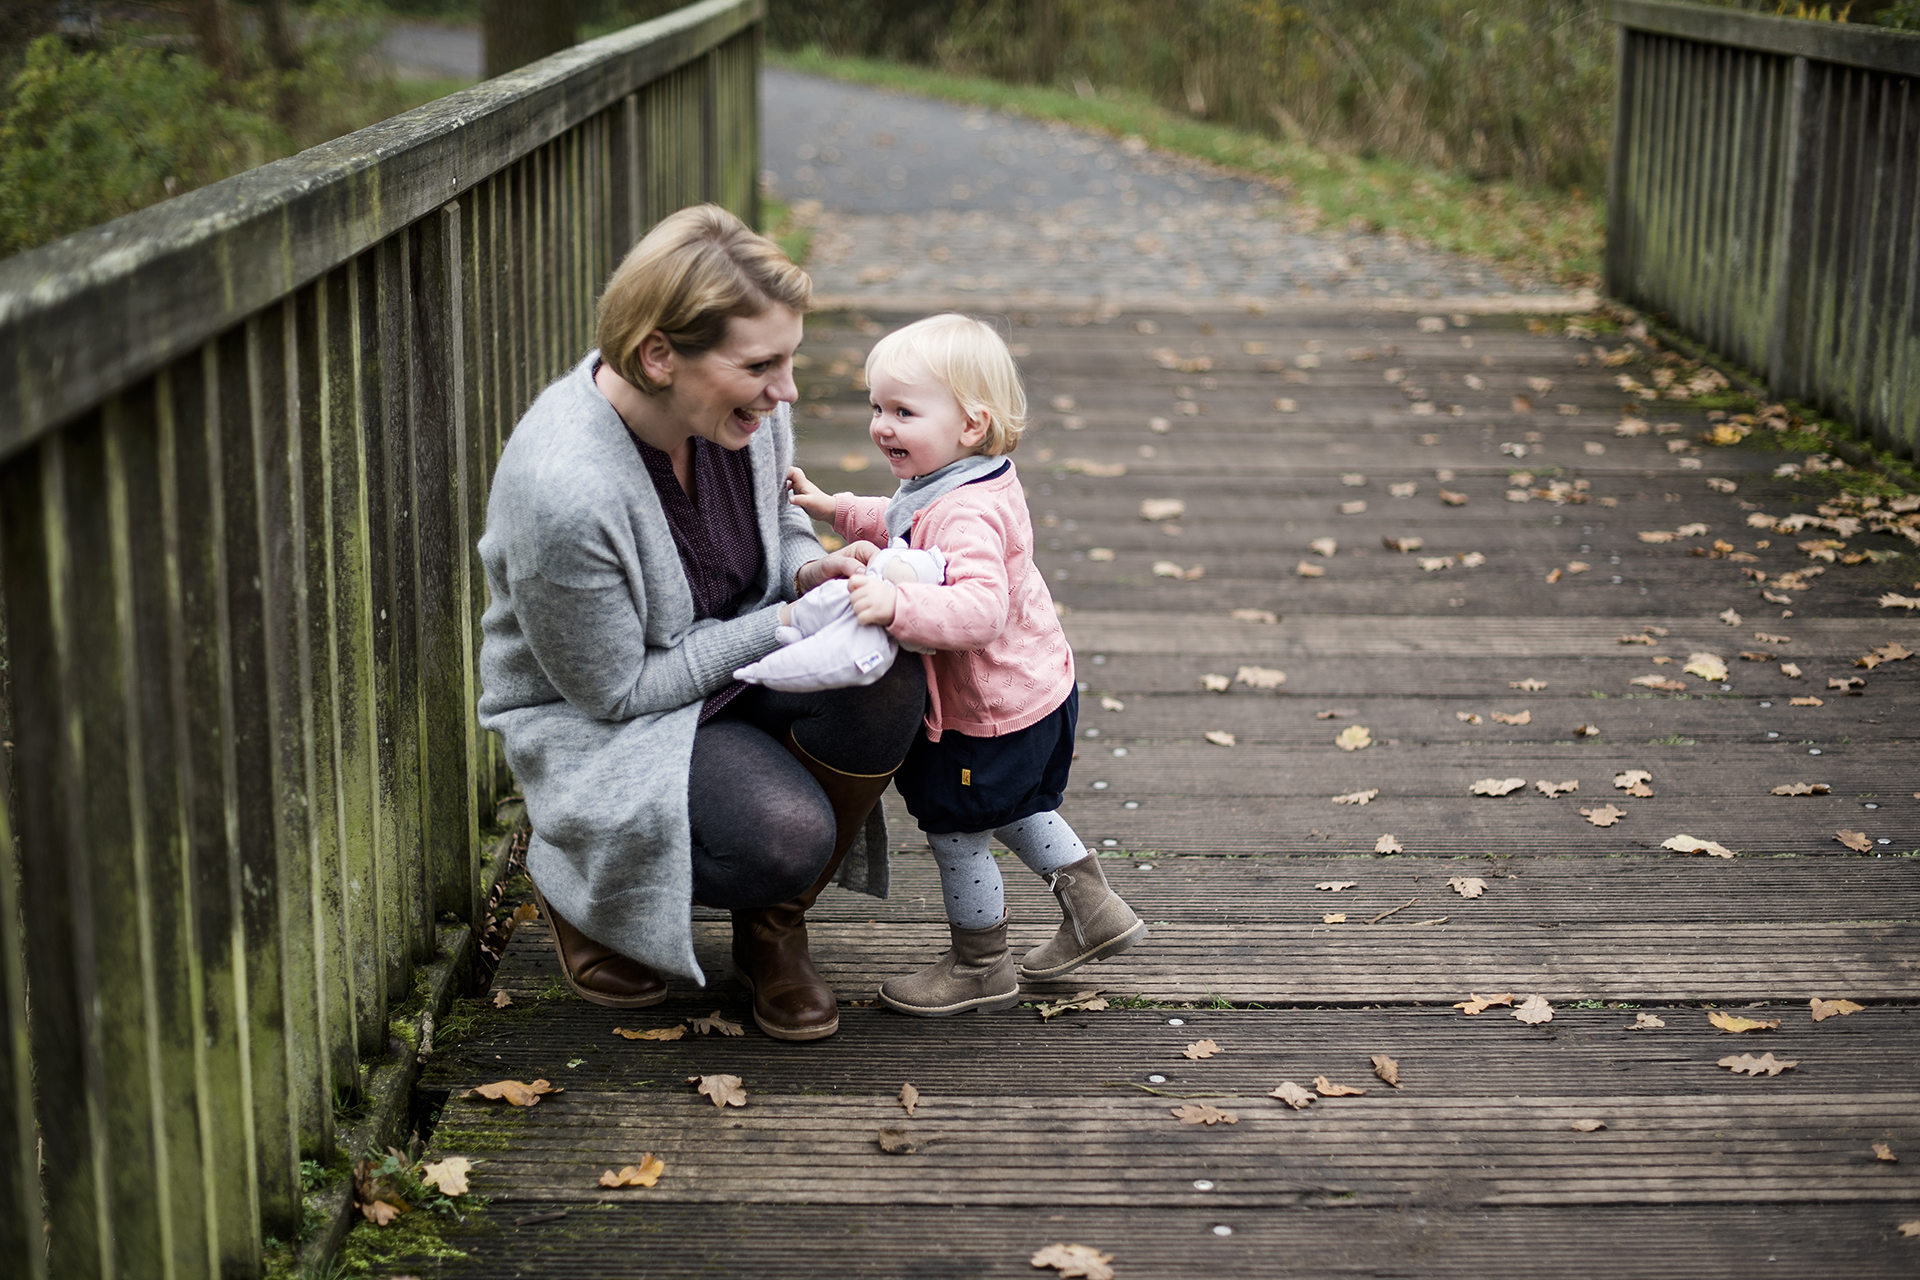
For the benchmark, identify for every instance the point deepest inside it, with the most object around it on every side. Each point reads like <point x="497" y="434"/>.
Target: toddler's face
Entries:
<point x="918" y="425"/>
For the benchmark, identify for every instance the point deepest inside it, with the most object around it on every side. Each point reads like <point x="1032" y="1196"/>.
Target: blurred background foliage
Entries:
<point x="107" y="107"/>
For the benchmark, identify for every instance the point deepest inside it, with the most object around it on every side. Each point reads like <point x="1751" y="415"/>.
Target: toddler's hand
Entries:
<point x="873" y="600"/>
<point x="808" y="496"/>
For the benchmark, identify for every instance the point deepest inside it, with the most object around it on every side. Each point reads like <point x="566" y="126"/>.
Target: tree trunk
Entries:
<point x="278" y="35"/>
<point x="516" y="32"/>
<point x="219" y="39"/>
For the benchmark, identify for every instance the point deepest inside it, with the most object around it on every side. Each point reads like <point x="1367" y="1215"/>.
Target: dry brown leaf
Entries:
<point x="1075" y="1260"/>
<point x="1335" y="886"/>
<point x="1082" y="1002"/>
<point x="379" y="1212"/>
<point x="1334" y="917"/>
<point x="1453" y="498"/>
<point x="1533" y="1010"/>
<point x="1893" y="601"/>
<point x="855" y="461"/>
<point x="1098" y="470"/>
<point x="524" y="912"/>
<point x="1387" y="1069"/>
<point x="1631" y="778"/>
<point x="1909" y="1228"/>
<point x="1403" y="545"/>
<point x="1467" y="886"/>
<point x="1805" y="702"/>
<point x="501" y="999"/>
<point x="1355" y="737"/>
<point x="1518" y="717"/>
<point x="1656" y="536"/>
<point x="1765" y="637"/>
<point x="1802" y="789"/>
<point x="1639" y="639"/>
<point x="1468" y="717"/>
<point x="1707" y="666"/>
<point x="1112" y="704"/>
<point x="1733" y="1022"/>
<point x="895" y="1142"/>
<point x="1358" y="797"/>
<point x="1846" y="684"/>
<point x="1662" y="683"/>
<point x="1477" y="1004"/>
<point x="1200" y="1049"/>
<point x="1202" y="1113"/>
<point x="514" y="1092"/>
<point x="1586" y="731"/>
<point x="1219" y="737"/>
<point x="1497" y="786"/>
<point x="1554" y="790"/>
<point x="1214" y="683"/>
<point x="726" y="1091"/>
<point x="1324" y="546"/>
<point x="1307" y="569"/>
<point x="1687" y="844"/>
<point x="644" y="1174"/>
<point x="449" y="1176"/>
<point x="1729" y="617"/>
<point x="661" y="1033"/>
<point x="1884" y="1151"/>
<point x="1858" y="841"/>
<point x="1529" y="685"/>
<point x="1293" y="1095"/>
<point x="1388" y="844"/>
<point x="1824" y="1009"/>
<point x="1358" y="507"/>
<point x="716" y="1023"/>
<point x="909" y="1098"/>
<point x="1261" y="677"/>
<point x="1893" y="651"/>
<point x="1764" y="1065"/>
<point x="1328" y="1089"/>
<point x="1588" y="1126"/>
<point x="1266" y="616"/>
<point x="1790" y="670"/>
<point x="1646" y="1022"/>
<point x="1605" y="816"/>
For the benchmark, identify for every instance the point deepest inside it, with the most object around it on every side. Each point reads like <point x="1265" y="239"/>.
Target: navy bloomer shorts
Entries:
<point x="962" y="783"/>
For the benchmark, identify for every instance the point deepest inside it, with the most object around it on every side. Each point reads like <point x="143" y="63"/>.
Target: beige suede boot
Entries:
<point x="1096" y="923"/>
<point x="976" y="973"/>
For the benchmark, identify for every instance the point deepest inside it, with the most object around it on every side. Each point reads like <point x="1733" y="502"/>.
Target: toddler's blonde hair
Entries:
<point x="968" y="358"/>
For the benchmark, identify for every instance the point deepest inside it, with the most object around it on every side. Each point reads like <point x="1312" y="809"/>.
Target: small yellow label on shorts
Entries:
<point x="966" y="777"/>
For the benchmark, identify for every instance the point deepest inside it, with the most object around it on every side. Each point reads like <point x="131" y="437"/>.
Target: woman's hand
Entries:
<point x="873" y="600"/>
<point x="808" y="496"/>
<point x="849" y="561"/>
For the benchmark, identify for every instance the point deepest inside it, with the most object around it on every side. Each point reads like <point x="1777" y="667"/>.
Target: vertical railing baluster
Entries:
<point x="23" y="1250"/>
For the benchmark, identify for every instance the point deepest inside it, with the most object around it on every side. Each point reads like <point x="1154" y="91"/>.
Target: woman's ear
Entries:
<point x="974" y="433"/>
<point x="657" y="358"/>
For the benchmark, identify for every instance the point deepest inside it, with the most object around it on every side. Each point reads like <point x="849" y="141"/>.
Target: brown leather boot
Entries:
<point x="596" y="972"/>
<point x="791" y="1001"/>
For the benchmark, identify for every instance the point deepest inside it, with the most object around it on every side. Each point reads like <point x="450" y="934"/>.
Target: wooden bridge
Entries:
<point x="260" y="842"/>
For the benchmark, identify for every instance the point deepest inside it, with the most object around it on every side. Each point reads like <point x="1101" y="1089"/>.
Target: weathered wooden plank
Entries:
<point x="1859" y="45"/>
<point x="103" y="307"/>
<point x="22" y="1235"/>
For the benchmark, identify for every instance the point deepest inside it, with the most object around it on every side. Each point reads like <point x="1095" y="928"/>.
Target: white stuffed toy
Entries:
<point x="825" y="647"/>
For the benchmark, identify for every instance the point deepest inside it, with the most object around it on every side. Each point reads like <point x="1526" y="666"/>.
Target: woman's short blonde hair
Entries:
<point x="968" y="358"/>
<point x="695" y="271"/>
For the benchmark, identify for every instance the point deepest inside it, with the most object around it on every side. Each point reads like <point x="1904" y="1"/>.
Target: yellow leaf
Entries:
<point x="1735" y="1023"/>
<point x="854" y="461"/>
<point x="448" y="1176"/>
<point x="1075" y="1260"/>
<point x="524" y="912"/>
<point x="644" y="1174"/>
<point x="660" y="1033"/>
<point x="909" y="1098"/>
<point x="1327" y="1089"/>
<point x="1884" y="1151"/>
<point x="1293" y="1095"/>
<point x="514" y="1092"/>
<point x="1334" y="917"/>
<point x="1387" y="1069"/>
<point x="726" y="1091"/>
<point x="1201" y="1113"/>
<point x="1805" y="702"/>
<point x="1200" y="1049"/>
<point x="1824" y="1009"/>
<point x="1707" y="666"/>
<point x="379" y="1213"/>
<point x="1354" y="737"/>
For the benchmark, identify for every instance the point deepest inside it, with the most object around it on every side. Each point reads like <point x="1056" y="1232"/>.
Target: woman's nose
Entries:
<point x="783" y="390"/>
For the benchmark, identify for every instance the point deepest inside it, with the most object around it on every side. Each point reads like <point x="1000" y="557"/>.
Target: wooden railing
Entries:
<point x="245" y="440"/>
<point x="1765" y="199"/>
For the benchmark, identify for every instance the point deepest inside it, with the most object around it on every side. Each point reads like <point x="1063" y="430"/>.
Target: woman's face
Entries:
<point x="725" y="393"/>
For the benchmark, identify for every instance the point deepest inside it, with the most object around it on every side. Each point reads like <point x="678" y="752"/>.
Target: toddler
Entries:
<point x="993" y="756"/>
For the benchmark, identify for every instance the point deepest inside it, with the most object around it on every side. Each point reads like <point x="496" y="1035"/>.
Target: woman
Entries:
<point x="639" y="545"/>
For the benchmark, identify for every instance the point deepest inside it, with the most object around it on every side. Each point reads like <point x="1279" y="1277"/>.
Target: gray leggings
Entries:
<point x="762" y="828"/>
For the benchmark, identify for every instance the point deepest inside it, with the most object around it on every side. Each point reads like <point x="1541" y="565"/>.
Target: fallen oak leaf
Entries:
<point x="1335" y="886"/>
<point x="1588" y="1126"/>
<point x="379" y="1212"/>
<point x="1203" y="1113"/>
<point x="725" y="1091"/>
<point x="524" y="912"/>
<point x="1732" y="1022"/>
<point x="1805" y="702"/>
<point x="1334" y="917"/>
<point x="1605" y="816"/>
<point x="644" y="1174"/>
<point x="1909" y="1228"/>
<point x="1308" y="569"/>
<point x="1631" y="778"/>
<point x="1824" y="1009"/>
<point x="1497" y="786"/>
<point x="1765" y="637"/>
<point x="1687" y="844"/>
<point x="1517" y="718"/>
<point x="1387" y="1069"/>
<point x="1646" y="1022"/>
<point x="660" y="1033"/>
<point x="1534" y="1010"/>
<point x="1266" y="616"/>
<point x="1214" y="683"/>
<point x="1802" y="789"/>
<point x="1728" y="616"/>
<point x="1662" y="683"/>
<point x="1884" y="1151"/>
<point x="1075" y="1260"/>
<point x="1327" y="1089"/>
<point x="1355" y="737"/>
<point x="1748" y="1065"/>
<point x="449" y="1176"/>
<point x="895" y="1142"/>
<point x="1219" y="737"/>
<point x="1358" y="797"/>
<point x="1467" y="717"/>
<point x="1261" y="677"/>
<point x="1293" y="1095"/>
<point x="513" y="1092"/>
<point x="1530" y="685"/>
<point x="1858" y="841"/>
<point x="909" y="1099"/>
<point x="1791" y="670"/>
<point x="1200" y="1049"/>
<point x="1708" y="666"/>
<point x="1388" y="844"/>
<point x="1082" y="1002"/>
<point x="1478" y="1004"/>
<point x="1467" y="886"/>
<point x="1554" y="790"/>
<point x="501" y="999"/>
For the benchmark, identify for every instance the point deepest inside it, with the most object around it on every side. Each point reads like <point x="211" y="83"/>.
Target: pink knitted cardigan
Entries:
<point x="1001" y="660"/>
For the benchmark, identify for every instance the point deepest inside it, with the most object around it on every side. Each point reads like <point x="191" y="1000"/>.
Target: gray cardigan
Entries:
<point x="594" y="667"/>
